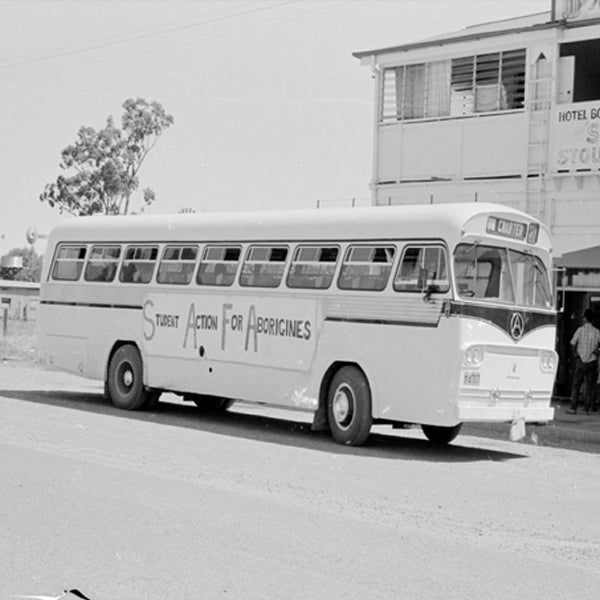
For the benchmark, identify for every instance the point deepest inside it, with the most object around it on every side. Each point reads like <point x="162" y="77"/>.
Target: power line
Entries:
<point x="191" y="37"/>
<point x="331" y="6"/>
<point x="142" y="36"/>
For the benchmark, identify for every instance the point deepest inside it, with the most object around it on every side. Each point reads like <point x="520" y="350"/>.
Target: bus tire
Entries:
<point x="211" y="404"/>
<point x="349" y="407"/>
<point x="440" y="436"/>
<point x="125" y="379"/>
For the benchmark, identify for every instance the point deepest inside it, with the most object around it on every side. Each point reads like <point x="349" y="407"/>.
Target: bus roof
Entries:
<point x="384" y="222"/>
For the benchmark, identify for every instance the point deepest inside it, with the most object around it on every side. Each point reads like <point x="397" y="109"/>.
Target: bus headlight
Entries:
<point x="473" y="356"/>
<point x="548" y="361"/>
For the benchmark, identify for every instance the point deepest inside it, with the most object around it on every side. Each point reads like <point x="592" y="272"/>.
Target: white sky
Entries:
<point x="271" y="109"/>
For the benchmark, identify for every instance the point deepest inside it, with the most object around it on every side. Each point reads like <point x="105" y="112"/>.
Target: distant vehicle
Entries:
<point x="433" y="315"/>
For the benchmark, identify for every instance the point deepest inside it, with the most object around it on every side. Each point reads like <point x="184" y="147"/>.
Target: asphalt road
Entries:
<point x="252" y="505"/>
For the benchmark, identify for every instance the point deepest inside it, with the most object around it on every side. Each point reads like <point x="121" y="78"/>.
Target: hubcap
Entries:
<point x="128" y="377"/>
<point x="342" y="406"/>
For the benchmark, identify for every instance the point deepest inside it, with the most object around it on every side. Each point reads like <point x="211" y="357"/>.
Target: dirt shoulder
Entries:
<point x="18" y="344"/>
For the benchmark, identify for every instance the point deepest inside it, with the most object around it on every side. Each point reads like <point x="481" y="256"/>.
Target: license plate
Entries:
<point x="471" y="378"/>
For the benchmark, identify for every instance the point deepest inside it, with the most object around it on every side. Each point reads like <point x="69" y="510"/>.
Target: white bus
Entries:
<point x="430" y="315"/>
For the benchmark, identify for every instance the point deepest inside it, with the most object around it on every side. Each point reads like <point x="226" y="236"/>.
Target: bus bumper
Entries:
<point x="505" y="414"/>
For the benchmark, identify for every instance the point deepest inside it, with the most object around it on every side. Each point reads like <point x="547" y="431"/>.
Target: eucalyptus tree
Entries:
<point x="101" y="168"/>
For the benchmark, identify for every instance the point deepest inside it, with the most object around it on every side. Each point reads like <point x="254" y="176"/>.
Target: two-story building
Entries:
<point x="504" y="112"/>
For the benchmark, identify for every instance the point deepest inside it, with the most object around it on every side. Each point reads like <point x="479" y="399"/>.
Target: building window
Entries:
<point x="580" y="70"/>
<point x="416" y="91"/>
<point x="463" y="86"/>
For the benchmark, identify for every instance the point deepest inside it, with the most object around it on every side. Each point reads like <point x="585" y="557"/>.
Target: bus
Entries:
<point x="422" y="315"/>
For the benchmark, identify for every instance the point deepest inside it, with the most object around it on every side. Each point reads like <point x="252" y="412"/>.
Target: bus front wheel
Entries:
<point x="440" y="436"/>
<point x="349" y="407"/>
<point x="125" y="379"/>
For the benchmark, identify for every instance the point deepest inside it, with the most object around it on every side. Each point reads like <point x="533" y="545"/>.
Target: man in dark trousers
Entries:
<point x="586" y="343"/>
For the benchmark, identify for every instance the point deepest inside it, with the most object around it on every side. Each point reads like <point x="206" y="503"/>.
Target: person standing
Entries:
<point x="586" y="343"/>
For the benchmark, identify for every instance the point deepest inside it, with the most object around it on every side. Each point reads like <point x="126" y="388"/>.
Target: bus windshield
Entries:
<point x="495" y="274"/>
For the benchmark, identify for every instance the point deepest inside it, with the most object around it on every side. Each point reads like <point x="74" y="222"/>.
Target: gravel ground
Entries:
<point x="18" y="344"/>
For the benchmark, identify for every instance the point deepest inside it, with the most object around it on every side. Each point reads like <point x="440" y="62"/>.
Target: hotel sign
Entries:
<point x="575" y="137"/>
<point x="576" y="10"/>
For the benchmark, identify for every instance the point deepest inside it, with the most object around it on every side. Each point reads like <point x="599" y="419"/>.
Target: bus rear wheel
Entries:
<point x="125" y="379"/>
<point x="349" y="407"/>
<point x="440" y="436"/>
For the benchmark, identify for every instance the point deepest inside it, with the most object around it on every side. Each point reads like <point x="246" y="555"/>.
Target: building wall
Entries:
<point x="543" y="157"/>
<point x="494" y="146"/>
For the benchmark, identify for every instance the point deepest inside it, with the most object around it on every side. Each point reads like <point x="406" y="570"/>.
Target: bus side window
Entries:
<point x="264" y="266"/>
<point x="218" y="266"/>
<point x="138" y="265"/>
<point x="144" y="272"/>
<point x="177" y="265"/>
<point x="68" y="263"/>
<point x="102" y="264"/>
<point x="366" y="268"/>
<point x="128" y="272"/>
<point x="422" y="259"/>
<point x="313" y="267"/>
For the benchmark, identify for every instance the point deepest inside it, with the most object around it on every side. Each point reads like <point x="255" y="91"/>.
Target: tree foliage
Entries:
<point x="101" y="167"/>
<point x="32" y="265"/>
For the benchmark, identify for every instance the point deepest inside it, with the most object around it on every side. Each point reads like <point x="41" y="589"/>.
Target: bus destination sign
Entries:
<point x="507" y="228"/>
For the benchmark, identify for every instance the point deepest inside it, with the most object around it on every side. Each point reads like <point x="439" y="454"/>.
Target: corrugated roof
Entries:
<point x="517" y="24"/>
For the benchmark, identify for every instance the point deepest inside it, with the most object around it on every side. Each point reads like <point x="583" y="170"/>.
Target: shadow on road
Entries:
<point x="265" y="428"/>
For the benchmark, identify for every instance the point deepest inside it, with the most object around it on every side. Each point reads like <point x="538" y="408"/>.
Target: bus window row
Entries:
<point x="364" y="267"/>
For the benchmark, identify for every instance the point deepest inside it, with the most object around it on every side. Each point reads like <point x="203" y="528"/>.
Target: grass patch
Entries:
<point x="18" y="345"/>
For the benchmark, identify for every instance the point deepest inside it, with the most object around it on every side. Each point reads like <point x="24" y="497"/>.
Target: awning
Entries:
<point x="586" y="258"/>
